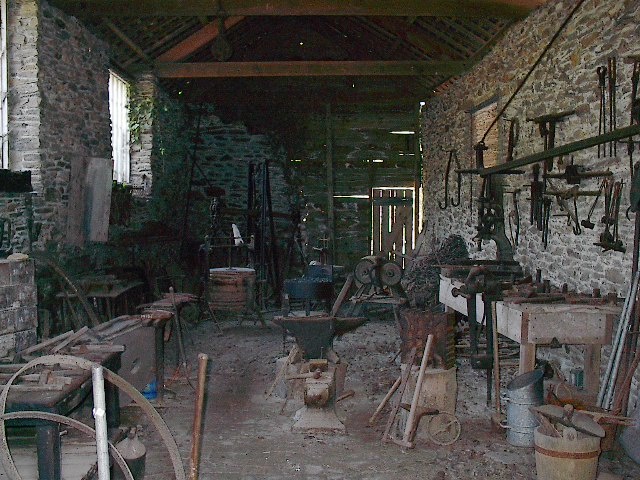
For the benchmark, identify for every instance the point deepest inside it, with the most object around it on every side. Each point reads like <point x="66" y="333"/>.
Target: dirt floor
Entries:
<point x="247" y="437"/>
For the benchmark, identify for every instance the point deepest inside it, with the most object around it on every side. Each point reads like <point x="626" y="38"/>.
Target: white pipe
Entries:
<point x="100" y="416"/>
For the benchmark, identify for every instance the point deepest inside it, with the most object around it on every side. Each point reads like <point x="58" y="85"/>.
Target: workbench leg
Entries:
<point x="527" y="357"/>
<point x="112" y="399"/>
<point x="160" y="362"/>
<point x="49" y="457"/>
<point x="592" y="369"/>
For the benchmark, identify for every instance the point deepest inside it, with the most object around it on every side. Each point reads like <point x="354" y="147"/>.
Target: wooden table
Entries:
<point x="111" y="298"/>
<point x="533" y="324"/>
<point x="62" y="402"/>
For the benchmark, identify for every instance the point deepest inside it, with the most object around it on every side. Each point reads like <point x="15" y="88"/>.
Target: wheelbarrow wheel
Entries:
<point x="443" y="429"/>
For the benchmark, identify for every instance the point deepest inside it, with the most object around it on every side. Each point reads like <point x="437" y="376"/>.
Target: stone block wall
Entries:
<point x="224" y="155"/>
<point x="24" y="94"/>
<point x="18" y="306"/>
<point x="73" y="80"/>
<point x="565" y="80"/>
<point x="58" y="105"/>
<point x="141" y="175"/>
<point x="18" y="208"/>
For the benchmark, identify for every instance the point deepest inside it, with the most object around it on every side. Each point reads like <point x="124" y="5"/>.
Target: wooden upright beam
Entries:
<point x="402" y="8"/>
<point x="196" y="41"/>
<point x="309" y="69"/>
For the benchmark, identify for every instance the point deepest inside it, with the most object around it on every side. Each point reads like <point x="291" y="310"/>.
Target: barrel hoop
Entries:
<point x="572" y="455"/>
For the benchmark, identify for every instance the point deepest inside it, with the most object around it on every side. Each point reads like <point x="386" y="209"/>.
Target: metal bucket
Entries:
<point x="524" y="391"/>
<point x="232" y="288"/>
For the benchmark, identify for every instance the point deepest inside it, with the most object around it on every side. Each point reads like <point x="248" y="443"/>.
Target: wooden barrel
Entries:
<point x="232" y="288"/>
<point x="574" y="456"/>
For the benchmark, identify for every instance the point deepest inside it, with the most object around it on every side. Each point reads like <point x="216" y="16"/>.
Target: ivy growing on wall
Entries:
<point x="141" y="112"/>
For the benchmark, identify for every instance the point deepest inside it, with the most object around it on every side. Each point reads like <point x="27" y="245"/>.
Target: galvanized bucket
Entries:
<point x="524" y="391"/>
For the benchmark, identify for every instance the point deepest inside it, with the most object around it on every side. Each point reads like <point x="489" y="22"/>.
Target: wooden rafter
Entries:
<point x="308" y="69"/>
<point x="130" y="43"/>
<point x="196" y="41"/>
<point x="195" y="8"/>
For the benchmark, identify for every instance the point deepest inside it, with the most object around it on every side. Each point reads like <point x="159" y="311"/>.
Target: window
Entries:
<point x="119" y="109"/>
<point x="4" y="110"/>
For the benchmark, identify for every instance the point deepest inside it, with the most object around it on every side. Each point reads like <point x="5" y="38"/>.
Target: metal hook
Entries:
<point x="453" y="154"/>
<point x="445" y="204"/>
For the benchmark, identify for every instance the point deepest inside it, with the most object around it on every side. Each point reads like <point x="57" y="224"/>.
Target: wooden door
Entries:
<point x="393" y="226"/>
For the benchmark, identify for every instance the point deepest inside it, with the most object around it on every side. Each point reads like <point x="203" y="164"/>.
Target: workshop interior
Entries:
<point x="319" y="239"/>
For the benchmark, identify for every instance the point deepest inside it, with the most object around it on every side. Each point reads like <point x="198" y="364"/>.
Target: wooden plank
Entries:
<point x="197" y="40"/>
<point x="402" y="8"/>
<point x="527" y="357"/>
<point x="592" y="356"/>
<point x="310" y="69"/>
<point x="331" y="215"/>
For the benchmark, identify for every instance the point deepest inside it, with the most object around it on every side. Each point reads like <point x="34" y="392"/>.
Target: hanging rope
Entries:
<point x="533" y="67"/>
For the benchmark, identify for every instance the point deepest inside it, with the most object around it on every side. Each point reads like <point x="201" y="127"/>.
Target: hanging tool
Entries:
<point x="635" y="112"/>
<point x="514" y="218"/>
<point x="443" y="205"/>
<point x="612" y="78"/>
<point x="609" y="240"/>
<point x="537" y="187"/>
<point x="547" y="127"/>
<point x="602" y="115"/>
<point x="573" y="174"/>
<point x="588" y="223"/>
<point x="546" y="215"/>
<point x="514" y="136"/>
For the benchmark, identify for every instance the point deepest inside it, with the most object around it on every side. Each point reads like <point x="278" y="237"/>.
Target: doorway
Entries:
<point x="393" y="227"/>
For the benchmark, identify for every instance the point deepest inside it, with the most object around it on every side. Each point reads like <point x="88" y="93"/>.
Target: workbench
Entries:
<point x="532" y="324"/>
<point x="62" y="401"/>
<point x="109" y="296"/>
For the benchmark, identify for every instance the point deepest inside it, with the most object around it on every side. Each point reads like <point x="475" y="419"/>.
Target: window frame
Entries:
<point x="4" y="87"/>
<point x="119" y="97"/>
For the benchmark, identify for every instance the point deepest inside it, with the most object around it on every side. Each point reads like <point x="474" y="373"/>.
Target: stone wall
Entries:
<point x="74" y="111"/>
<point x="18" y="306"/>
<point x="18" y="209"/>
<point x="565" y="80"/>
<point x="224" y="155"/>
<point x="58" y="106"/>
<point x="145" y="91"/>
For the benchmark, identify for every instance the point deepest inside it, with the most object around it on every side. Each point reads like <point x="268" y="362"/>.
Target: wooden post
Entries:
<point x="417" y="180"/>
<point x="331" y="219"/>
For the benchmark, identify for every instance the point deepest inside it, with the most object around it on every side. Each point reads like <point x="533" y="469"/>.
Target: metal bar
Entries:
<point x="100" y="416"/>
<point x="566" y="149"/>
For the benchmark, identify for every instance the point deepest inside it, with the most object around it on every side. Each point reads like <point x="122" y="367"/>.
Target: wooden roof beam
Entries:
<point x="195" y="8"/>
<point x="196" y="41"/>
<point x="309" y="69"/>
<point x="130" y="43"/>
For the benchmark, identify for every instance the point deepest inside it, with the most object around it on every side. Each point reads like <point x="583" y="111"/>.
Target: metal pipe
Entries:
<point x="100" y="416"/>
<point x="606" y="392"/>
<point x="615" y="344"/>
<point x="196" y="439"/>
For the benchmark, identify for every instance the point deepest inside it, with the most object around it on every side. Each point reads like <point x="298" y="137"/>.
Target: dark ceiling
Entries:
<point x="288" y="54"/>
